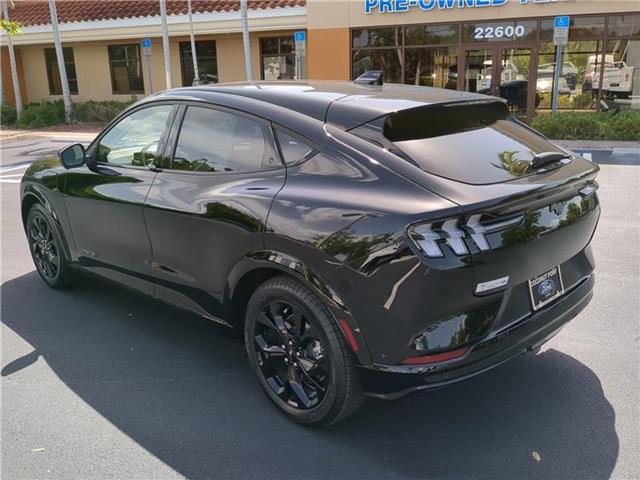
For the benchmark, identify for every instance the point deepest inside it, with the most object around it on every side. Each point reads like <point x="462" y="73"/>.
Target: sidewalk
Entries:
<point x="598" y="145"/>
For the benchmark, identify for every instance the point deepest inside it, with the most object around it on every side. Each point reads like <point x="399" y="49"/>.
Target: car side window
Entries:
<point x="217" y="141"/>
<point x="135" y="139"/>
<point x="293" y="147"/>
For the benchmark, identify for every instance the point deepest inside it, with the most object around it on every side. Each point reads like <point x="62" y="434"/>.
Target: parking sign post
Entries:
<point x="300" y="38"/>
<point x="560" y="39"/>
<point x="146" y="51"/>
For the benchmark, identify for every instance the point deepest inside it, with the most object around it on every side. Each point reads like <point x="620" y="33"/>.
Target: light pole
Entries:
<point x="165" y="44"/>
<point x="248" y="65"/>
<point x="194" y="57"/>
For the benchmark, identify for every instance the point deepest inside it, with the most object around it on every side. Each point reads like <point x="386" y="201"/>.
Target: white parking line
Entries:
<point x="11" y="168"/>
<point x="6" y="177"/>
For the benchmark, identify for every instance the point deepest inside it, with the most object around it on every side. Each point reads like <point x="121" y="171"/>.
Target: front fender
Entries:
<point x="41" y="187"/>
<point x="289" y="265"/>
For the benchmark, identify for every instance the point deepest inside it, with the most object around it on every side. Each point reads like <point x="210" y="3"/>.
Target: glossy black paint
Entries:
<point x="337" y="222"/>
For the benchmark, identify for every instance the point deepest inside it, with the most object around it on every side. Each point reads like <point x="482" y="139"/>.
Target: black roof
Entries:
<point x="344" y="104"/>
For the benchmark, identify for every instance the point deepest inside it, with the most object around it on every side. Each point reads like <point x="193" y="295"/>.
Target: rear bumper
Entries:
<point x="394" y="381"/>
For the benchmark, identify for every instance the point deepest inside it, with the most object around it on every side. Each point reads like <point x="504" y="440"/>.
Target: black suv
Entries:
<point x="365" y="239"/>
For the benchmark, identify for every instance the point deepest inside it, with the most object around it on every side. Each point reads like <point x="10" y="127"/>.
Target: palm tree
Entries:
<point x="12" y="28"/>
<point x="66" y="93"/>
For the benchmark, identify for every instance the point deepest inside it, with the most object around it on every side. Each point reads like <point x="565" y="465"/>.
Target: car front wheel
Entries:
<point x="299" y="354"/>
<point x="45" y="245"/>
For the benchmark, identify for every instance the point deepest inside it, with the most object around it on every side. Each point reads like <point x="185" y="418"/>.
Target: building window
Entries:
<point x="126" y="69"/>
<point x="53" y="73"/>
<point x="207" y="62"/>
<point x="377" y="49"/>
<point x="278" y="55"/>
<point x="376" y="37"/>
<point x="432" y="35"/>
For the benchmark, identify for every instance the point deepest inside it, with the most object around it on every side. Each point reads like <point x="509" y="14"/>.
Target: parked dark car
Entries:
<point x="365" y="239"/>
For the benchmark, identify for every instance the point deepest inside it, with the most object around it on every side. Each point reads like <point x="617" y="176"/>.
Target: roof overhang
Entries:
<point x="141" y="27"/>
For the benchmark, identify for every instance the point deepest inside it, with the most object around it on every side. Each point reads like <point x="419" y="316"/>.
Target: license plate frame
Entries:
<point x="545" y="288"/>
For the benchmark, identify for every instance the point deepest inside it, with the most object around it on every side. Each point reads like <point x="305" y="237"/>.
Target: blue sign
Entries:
<point x="300" y="36"/>
<point x="393" y="6"/>
<point x="146" y="43"/>
<point x="561" y="22"/>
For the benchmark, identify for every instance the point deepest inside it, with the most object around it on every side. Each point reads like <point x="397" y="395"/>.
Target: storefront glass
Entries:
<point x="387" y="60"/>
<point x="513" y="59"/>
<point x="432" y="35"/>
<point x="432" y="67"/>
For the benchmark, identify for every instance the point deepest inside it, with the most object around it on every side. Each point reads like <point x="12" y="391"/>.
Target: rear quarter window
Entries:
<point x="294" y="148"/>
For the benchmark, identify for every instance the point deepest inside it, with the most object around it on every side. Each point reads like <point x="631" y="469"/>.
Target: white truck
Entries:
<point x="509" y="74"/>
<point x="618" y="76"/>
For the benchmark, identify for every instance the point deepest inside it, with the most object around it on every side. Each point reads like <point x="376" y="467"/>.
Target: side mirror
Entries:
<point x="72" y="156"/>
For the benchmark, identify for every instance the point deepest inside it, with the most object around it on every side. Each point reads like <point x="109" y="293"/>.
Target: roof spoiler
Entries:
<point x="438" y="119"/>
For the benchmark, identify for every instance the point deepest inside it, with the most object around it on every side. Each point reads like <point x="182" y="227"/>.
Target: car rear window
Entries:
<point x="491" y="148"/>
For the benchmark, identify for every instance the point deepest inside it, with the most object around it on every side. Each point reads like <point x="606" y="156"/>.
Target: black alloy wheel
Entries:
<point x="299" y="354"/>
<point x="290" y="355"/>
<point x="46" y="249"/>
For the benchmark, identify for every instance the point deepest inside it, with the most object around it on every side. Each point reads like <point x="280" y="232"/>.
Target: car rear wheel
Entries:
<point x="45" y="245"/>
<point x="299" y="354"/>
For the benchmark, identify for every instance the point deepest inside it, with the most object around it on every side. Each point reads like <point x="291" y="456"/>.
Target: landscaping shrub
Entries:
<point x="7" y="115"/>
<point x="44" y="114"/>
<point x="102" y="112"/>
<point x="614" y="125"/>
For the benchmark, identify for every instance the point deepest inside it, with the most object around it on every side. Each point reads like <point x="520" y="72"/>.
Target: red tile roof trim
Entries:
<point x="32" y="13"/>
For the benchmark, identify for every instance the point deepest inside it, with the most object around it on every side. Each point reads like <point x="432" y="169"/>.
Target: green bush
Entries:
<point x="7" y="115"/>
<point x="615" y="125"/>
<point x="101" y="112"/>
<point x="44" y="114"/>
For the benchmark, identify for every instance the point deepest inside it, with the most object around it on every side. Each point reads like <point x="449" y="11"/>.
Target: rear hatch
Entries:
<point x="527" y="206"/>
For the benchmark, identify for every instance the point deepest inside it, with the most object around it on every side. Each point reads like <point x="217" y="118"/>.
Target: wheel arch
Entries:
<point x="253" y="270"/>
<point x="33" y="196"/>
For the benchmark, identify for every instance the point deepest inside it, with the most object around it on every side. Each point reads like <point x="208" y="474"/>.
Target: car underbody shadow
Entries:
<point x="182" y="389"/>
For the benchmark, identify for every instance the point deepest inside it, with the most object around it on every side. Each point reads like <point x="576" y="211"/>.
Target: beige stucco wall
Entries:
<point x="94" y="76"/>
<point x="350" y="13"/>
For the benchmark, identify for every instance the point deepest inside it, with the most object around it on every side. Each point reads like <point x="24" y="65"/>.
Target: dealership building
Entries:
<point x="113" y="48"/>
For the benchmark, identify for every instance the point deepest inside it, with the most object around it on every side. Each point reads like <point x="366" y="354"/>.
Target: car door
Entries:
<point x="208" y="207"/>
<point x="104" y="199"/>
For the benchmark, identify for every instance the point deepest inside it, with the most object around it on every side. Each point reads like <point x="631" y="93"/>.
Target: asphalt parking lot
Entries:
<point x="98" y="382"/>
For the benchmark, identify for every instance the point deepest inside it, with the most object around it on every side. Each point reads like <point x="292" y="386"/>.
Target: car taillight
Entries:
<point x="430" y="237"/>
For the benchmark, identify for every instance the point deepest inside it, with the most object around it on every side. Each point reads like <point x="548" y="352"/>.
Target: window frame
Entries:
<point x="176" y="128"/>
<point x="66" y="66"/>
<point x="162" y="142"/>
<point x="111" y="72"/>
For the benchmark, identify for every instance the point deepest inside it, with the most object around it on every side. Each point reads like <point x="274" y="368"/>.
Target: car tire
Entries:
<point x="46" y="247"/>
<point x="300" y="355"/>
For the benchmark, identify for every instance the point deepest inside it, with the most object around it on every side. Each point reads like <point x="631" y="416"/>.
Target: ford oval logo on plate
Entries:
<point x="546" y="287"/>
